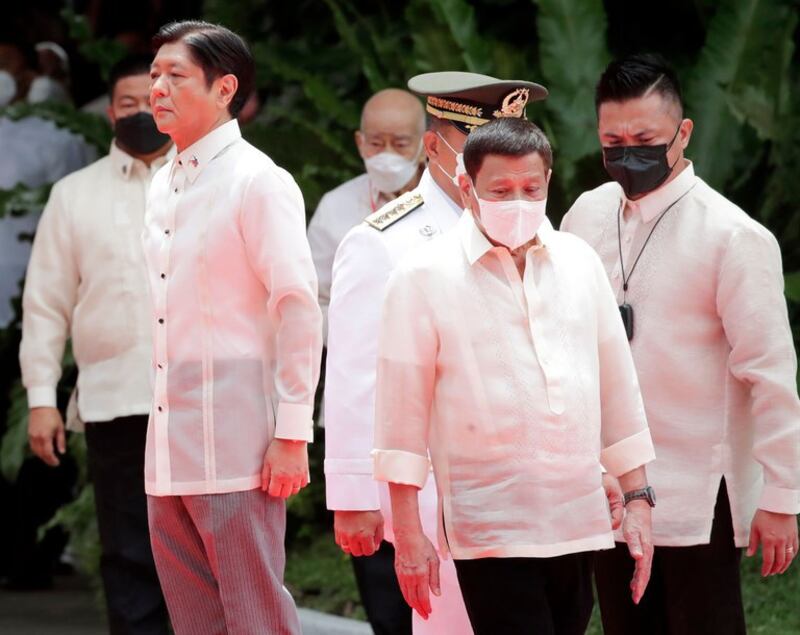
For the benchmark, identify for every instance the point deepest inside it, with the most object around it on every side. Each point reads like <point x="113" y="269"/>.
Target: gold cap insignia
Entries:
<point x="513" y="104"/>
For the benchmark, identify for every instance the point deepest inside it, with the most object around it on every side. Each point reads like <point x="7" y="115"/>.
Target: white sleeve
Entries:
<point x="360" y="271"/>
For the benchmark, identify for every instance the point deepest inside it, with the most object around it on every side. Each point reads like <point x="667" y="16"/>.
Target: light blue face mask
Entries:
<point x="8" y="88"/>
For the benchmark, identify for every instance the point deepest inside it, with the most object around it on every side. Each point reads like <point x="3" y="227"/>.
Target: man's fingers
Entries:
<point x="617" y="513"/>
<point x="356" y="548"/>
<point x="641" y="576"/>
<point x="61" y="439"/>
<point x="265" y="476"/>
<point x="424" y="594"/>
<point x="634" y="545"/>
<point x="275" y="486"/>
<point x="46" y="452"/>
<point x="433" y="577"/>
<point x="768" y="555"/>
<point x="752" y="546"/>
<point x="780" y="558"/>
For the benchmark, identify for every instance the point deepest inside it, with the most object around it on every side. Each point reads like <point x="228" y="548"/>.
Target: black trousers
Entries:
<point x="387" y="611"/>
<point x="693" y="590"/>
<point x="541" y="596"/>
<point x="116" y="466"/>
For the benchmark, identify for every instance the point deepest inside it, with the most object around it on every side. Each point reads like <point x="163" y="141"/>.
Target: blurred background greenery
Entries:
<point x="319" y="60"/>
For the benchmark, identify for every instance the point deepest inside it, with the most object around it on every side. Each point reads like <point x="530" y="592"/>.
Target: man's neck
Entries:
<point x="185" y="141"/>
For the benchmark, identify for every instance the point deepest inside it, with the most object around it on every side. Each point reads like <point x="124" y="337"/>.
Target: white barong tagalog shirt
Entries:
<point x="237" y="329"/>
<point x="713" y="350"/>
<point x="87" y="280"/>
<point x="519" y="387"/>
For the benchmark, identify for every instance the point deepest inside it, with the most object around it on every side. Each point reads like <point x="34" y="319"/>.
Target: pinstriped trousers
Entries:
<point x="220" y="559"/>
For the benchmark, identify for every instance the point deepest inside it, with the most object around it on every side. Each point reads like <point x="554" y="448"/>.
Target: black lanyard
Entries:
<point x="627" y="279"/>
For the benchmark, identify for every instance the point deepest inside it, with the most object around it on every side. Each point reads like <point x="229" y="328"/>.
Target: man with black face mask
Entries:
<point x="700" y="289"/>
<point x="87" y="281"/>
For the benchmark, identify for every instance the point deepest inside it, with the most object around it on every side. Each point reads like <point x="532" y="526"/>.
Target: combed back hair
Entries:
<point x="218" y="51"/>
<point x="507" y="137"/>
<point x="636" y="76"/>
<point x="127" y="67"/>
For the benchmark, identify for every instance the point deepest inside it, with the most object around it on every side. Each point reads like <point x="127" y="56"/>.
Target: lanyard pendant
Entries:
<point x="626" y="311"/>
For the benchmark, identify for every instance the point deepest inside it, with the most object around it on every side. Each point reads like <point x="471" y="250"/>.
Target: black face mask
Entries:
<point x="638" y="169"/>
<point x="138" y="133"/>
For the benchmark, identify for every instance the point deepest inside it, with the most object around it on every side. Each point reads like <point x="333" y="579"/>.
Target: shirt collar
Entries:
<point x="435" y="196"/>
<point x="124" y="164"/>
<point x="655" y="202"/>
<point x="476" y="245"/>
<point x="198" y="155"/>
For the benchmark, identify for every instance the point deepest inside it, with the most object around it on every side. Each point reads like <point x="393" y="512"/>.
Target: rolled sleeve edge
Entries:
<point x="779" y="500"/>
<point x="398" y="466"/>
<point x="295" y="422"/>
<point x="628" y="454"/>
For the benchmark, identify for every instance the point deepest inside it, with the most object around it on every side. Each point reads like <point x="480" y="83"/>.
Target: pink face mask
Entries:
<point x="512" y="223"/>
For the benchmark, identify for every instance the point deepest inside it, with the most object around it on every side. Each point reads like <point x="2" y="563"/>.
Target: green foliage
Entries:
<point x="576" y="31"/>
<point x="14" y="445"/>
<point x="103" y="52"/>
<point x="21" y="200"/>
<point x="94" y="128"/>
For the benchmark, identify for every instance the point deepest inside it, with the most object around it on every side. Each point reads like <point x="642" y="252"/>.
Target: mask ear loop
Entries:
<point x="671" y="143"/>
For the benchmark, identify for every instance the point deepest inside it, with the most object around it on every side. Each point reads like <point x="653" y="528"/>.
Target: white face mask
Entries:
<point x="460" y="169"/>
<point x="390" y="172"/>
<point x="512" y="223"/>
<point x="45" y="88"/>
<point x="8" y="88"/>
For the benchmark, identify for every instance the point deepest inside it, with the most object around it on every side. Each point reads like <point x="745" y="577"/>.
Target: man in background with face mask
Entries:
<point x="87" y="281"/>
<point x="456" y="103"/>
<point x="700" y="289"/>
<point x="502" y="357"/>
<point x="390" y="143"/>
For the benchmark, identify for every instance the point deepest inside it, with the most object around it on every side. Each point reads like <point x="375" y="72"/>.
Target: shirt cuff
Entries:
<point x="42" y="397"/>
<point x="349" y="485"/>
<point x="779" y="500"/>
<point x="397" y="466"/>
<point x="295" y="422"/>
<point x="628" y="454"/>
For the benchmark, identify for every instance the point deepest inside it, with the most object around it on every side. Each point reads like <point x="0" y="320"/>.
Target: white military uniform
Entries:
<point x="363" y="263"/>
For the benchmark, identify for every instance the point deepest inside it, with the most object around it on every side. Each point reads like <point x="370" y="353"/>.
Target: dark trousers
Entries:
<point x="541" y="596"/>
<point x="693" y="590"/>
<point x="387" y="611"/>
<point x="116" y="466"/>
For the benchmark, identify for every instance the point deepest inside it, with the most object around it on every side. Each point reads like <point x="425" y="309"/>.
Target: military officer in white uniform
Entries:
<point x="456" y="102"/>
<point x="389" y="141"/>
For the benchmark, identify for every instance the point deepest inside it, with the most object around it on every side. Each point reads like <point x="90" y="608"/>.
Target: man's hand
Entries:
<point x="46" y="434"/>
<point x="358" y="532"/>
<point x="417" y="566"/>
<point x="636" y="528"/>
<point x="285" y="470"/>
<point x="777" y="534"/>
<point x="616" y="501"/>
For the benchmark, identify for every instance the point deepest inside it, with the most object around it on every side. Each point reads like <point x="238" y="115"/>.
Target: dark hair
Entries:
<point x="218" y="51"/>
<point x="127" y="67"/>
<point x="507" y="137"/>
<point x="633" y="76"/>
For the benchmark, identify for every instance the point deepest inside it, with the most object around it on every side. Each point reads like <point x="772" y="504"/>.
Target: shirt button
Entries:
<point x="160" y="320"/>
<point x="163" y="276"/>
<point x="176" y="190"/>
<point x="166" y="231"/>
<point x="160" y="409"/>
<point x="160" y="366"/>
<point x="627" y="239"/>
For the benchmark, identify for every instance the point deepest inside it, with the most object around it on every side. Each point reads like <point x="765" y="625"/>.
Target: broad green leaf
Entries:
<point x="573" y="54"/>
<point x="434" y="48"/>
<point x="459" y="18"/>
<point x="21" y="200"/>
<point x="14" y="446"/>
<point x="745" y="55"/>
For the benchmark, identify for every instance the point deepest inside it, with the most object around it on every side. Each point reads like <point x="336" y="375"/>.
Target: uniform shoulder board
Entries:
<point x="393" y="211"/>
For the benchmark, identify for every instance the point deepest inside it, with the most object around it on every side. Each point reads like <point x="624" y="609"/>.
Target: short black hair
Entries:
<point x="218" y="51"/>
<point x="507" y="137"/>
<point x="633" y="76"/>
<point x="127" y="67"/>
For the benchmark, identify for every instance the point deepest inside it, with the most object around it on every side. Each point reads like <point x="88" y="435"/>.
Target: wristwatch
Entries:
<point x="646" y="493"/>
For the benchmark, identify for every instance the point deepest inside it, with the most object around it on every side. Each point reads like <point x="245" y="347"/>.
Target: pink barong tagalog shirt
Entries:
<point x="518" y="387"/>
<point x="237" y="330"/>
<point x="713" y="350"/>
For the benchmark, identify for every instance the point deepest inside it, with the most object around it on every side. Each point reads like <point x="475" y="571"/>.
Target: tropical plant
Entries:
<point x="319" y="60"/>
